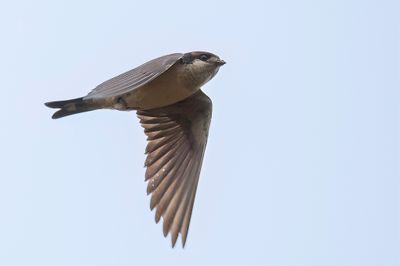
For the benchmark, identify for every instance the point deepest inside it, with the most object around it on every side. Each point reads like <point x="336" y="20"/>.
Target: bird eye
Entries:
<point x="204" y="57"/>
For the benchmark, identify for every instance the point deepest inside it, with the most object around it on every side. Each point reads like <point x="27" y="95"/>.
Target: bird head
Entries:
<point x="202" y="65"/>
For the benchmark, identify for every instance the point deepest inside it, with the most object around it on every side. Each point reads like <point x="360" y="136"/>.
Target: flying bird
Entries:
<point x="175" y="114"/>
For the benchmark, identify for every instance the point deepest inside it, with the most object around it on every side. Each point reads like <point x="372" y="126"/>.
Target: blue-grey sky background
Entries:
<point x="302" y="164"/>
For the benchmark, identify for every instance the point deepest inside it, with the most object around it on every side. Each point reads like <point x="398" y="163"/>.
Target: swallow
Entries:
<point x="175" y="114"/>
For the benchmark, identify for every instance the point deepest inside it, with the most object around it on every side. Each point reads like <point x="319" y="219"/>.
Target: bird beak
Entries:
<point x="220" y="62"/>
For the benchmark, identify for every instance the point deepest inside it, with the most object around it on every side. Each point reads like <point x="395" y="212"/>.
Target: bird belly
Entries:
<point x="168" y="88"/>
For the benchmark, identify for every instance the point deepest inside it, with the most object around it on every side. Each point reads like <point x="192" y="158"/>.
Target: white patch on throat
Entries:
<point x="202" y="71"/>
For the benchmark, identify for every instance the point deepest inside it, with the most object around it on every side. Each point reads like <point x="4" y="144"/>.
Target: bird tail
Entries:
<point x="70" y="107"/>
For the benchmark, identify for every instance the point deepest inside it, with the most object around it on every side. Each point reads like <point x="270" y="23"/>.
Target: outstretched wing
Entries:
<point x="134" y="78"/>
<point x="177" y="138"/>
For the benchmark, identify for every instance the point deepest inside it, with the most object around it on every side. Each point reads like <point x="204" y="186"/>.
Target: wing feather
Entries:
<point x="173" y="204"/>
<point x="159" y="127"/>
<point x="154" y="121"/>
<point x="163" y="133"/>
<point x="134" y="78"/>
<point x="160" y="164"/>
<point x="157" y="143"/>
<point x="169" y="168"/>
<point x="165" y="153"/>
<point x="160" y="195"/>
<point x="176" y="212"/>
<point x="177" y="138"/>
<point x="167" y="196"/>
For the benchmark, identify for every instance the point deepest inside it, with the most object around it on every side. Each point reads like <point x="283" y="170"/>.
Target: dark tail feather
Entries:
<point x="70" y="107"/>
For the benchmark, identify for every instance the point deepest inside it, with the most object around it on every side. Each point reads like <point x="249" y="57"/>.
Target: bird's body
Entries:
<point x="176" y="116"/>
<point x="174" y="85"/>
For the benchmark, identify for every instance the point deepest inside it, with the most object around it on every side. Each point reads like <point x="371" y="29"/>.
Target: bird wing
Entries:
<point x="134" y="78"/>
<point x="177" y="138"/>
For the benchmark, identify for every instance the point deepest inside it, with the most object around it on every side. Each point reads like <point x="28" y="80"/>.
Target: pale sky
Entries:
<point x="302" y="163"/>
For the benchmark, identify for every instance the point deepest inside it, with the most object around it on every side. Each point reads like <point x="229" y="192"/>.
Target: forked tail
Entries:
<point x="70" y="107"/>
